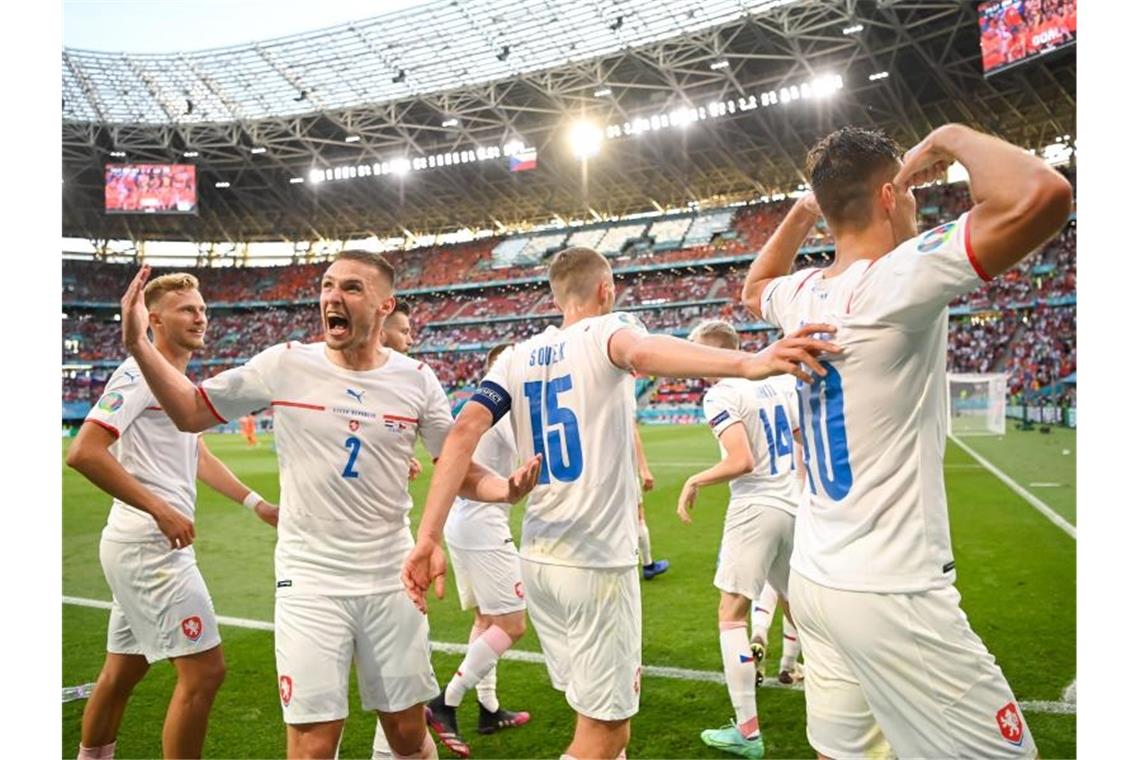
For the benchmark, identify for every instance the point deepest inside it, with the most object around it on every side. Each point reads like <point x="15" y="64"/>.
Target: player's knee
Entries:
<point x="514" y="626"/>
<point x="204" y="675"/>
<point x="733" y="608"/>
<point x="405" y="731"/>
<point x="119" y="681"/>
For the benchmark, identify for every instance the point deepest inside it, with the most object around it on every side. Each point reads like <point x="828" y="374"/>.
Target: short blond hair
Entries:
<point x="574" y="273"/>
<point x="717" y="332"/>
<point x="168" y="283"/>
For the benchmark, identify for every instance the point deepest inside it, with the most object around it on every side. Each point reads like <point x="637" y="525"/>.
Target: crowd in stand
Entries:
<point x="1035" y="343"/>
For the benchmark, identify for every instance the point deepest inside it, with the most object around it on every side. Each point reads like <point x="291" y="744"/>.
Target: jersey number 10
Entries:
<point x="832" y="460"/>
<point x="564" y="466"/>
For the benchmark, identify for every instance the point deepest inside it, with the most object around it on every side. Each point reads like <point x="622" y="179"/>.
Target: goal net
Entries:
<point x="977" y="404"/>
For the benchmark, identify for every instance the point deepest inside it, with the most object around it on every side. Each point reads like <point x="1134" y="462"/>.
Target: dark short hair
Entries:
<point x="493" y="354"/>
<point x="381" y="264"/>
<point x="844" y="168"/>
<point x="402" y="307"/>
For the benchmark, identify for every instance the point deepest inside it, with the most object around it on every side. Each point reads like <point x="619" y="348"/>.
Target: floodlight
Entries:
<point x="603" y="92"/>
<point x="450" y="123"/>
<point x="585" y="139"/>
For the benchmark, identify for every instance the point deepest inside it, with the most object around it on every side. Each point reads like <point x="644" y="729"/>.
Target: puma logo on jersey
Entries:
<point x="358" y="395"/>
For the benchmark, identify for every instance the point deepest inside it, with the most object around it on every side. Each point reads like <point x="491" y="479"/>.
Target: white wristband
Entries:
<point x="251" y="500"/>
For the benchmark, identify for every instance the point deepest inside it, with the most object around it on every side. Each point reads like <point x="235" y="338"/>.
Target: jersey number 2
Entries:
<point x="353" y="446"/>
<point x="564" y="467"/>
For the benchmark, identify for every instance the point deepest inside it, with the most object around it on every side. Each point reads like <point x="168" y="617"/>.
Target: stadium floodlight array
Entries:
<point x="403" y="165"/>
<point x="820" y="87"/>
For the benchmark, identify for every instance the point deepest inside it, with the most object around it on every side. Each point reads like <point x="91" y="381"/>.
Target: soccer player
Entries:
<point x="398" y="327"/>
<point x="160" y="606"/>
<point x="346" y="416"/>
<point x="489" y="579"/>
<point x="650" y="569"/>
<point x="890" y="658"/>
<point x="756" y="424"/>
<point x="569" y="393"/>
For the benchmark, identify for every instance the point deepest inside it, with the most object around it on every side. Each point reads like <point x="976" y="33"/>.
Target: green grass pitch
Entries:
<point x="1016" y="572"/>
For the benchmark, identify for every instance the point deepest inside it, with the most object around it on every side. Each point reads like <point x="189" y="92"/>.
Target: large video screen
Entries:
<point x="151" y="189"/>
<point x="1014" y="31"/>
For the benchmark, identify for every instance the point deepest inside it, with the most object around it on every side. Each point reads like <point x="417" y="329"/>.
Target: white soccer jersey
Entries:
<point x="475" y="524"/>
<point x="344" y="439"/>
<point x="568" y="402"/>
<point x="874" y="429"/>
<point x="769" y="411"/>
<point x="150" y="448"/>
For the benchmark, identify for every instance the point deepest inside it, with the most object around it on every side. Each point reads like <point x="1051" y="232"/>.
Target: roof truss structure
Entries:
<point x="929" y="48"/>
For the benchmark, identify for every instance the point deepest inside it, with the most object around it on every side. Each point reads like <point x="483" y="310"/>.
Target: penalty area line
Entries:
<point x="656" y="671"/>
<point x="1017" y="488"/>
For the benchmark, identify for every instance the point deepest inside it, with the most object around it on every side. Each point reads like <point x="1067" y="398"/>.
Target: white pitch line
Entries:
<point x="659" y="671"/>
<point x="1033" y="501"/>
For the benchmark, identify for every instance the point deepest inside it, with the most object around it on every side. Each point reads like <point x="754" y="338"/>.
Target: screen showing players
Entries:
<point x="1013" y="31"/>
<point x="151" y="189"/>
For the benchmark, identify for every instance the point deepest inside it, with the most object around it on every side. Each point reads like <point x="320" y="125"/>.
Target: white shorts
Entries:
<point x="588" y="622"/>
<point x="160" y="607"/>
<point x="489" y="579"/>
<point x="901" y="674"/>
<point x="318" y="637"/>
<point x="755" y="548"/>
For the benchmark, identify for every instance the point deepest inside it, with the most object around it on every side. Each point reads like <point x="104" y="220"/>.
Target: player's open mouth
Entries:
<point x="337" y="325"/>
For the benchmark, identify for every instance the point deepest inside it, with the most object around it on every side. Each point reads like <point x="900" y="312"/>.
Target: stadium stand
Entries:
<point x="1022" y="323"/>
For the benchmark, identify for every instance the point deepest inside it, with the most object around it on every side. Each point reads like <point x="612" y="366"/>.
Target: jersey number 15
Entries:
<point x="565" y="466"/>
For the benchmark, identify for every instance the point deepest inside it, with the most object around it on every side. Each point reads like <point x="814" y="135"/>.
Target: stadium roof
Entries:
<point x="435" y="84"/>
<point x="440" y="46"/>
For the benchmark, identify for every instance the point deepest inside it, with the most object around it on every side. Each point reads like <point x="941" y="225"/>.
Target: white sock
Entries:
<point x="106" y="752"/>
<point x="762" y="611"/>
<point x="643" y="543"/>
<point x="791" y="651"/>
<point x="487" y="689"/>
<point x="740" y="676"/>
<point x="482" y="655"/>
<point x="381" y="749"/>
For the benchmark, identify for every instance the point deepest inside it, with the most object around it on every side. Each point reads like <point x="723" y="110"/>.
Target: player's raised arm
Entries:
<point x="214" y="473"/>
<point x="187" y="409"/>
<point x="1020" y="201"/>
<point x="674" y="357"/>
<point x="776" y="257"/>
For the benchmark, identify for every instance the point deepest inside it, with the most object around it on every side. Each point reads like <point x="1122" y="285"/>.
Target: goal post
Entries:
<point x="976" y="403"/>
